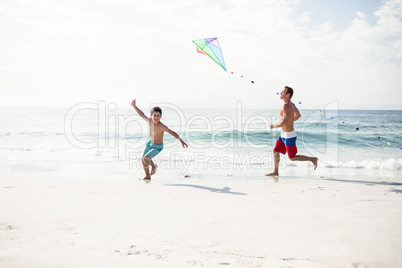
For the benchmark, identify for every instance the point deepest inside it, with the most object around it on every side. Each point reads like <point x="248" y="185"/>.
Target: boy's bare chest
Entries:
<point x="155" y="130"/>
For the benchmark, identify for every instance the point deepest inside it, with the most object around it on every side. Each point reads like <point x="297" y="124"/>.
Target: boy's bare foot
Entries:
<point x="315" y="163"/>
<point x="153" y="170"/>
<point x="273" y="174"/>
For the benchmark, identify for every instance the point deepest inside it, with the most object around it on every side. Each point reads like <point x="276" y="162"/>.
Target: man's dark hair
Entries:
<point x="156" y="109"/>
<point x="289" y="91"/>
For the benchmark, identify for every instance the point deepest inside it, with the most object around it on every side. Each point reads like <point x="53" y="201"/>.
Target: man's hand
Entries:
<point x="272" y="126"/>
<point x="133" y="102"/>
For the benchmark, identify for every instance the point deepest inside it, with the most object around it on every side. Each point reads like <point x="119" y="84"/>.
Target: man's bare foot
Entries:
<point x="153" y="170"/>
<point x="273" y="174"/>
<point x="146" y="179"/>
<point x="315" y="163"/>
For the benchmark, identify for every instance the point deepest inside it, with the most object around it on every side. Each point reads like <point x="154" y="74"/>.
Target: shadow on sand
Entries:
<point x="386" y="183"/>
<point x="225" y="190"/>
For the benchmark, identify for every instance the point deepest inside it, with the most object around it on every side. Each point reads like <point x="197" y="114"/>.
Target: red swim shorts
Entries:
<point x="286" y="143"/>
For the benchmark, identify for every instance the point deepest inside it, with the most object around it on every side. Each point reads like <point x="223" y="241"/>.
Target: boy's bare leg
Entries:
<point x="313" y="160"/>
<point x="145" y="162"/>
<point x="153" y="167"/>
<point x="276" y="165"/>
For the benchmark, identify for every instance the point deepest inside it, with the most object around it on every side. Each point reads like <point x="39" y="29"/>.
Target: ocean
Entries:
<point x="103" y="142"/>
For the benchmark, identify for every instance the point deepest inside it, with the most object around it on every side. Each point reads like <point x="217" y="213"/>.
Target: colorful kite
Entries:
<point x="211" y="48"/>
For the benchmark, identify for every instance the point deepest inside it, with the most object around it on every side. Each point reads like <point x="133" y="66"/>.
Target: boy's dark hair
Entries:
<point x="156" y="109"/>
<point x="289" y="91"/>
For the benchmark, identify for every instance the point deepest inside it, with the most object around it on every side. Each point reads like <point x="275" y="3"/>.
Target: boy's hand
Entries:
<point x="133" y="102"/>
<point x="184" y="144"/>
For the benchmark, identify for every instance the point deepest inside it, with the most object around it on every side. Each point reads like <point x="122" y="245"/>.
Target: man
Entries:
<point x="287" y="140"/>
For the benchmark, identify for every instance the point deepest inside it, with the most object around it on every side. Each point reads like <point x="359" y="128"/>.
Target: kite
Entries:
<point x="211" y="48"/>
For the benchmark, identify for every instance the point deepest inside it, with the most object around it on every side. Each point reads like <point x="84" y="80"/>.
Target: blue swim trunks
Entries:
<point x="151" y="149"/>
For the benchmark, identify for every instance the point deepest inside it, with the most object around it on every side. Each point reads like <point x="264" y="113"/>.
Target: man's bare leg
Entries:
<point x="146" y="162"/>
<point x="276" y="165"/>
<point x="313" y="160"/>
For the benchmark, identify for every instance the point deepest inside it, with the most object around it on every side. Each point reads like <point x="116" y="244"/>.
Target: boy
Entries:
<point x="155" y="144"/>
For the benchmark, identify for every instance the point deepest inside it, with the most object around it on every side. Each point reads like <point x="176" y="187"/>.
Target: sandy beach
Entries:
<point x="217" y="94"/>
<point x="326" y="222"/>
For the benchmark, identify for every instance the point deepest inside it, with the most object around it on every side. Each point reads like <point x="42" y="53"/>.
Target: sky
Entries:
<point x="66" y="52"/>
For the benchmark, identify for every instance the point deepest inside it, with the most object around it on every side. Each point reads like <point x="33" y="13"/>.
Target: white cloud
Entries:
<point x="360" y="14"/>
<point x="390" y="17"/>
<point x="326" y="27"/>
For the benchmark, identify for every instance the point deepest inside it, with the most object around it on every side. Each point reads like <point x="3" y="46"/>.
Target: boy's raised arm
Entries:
<point x="174" y="134"/>
<point x="139" y="112"/>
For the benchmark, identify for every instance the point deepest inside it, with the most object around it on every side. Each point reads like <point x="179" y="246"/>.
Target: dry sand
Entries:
<point x="346" y="222"/>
